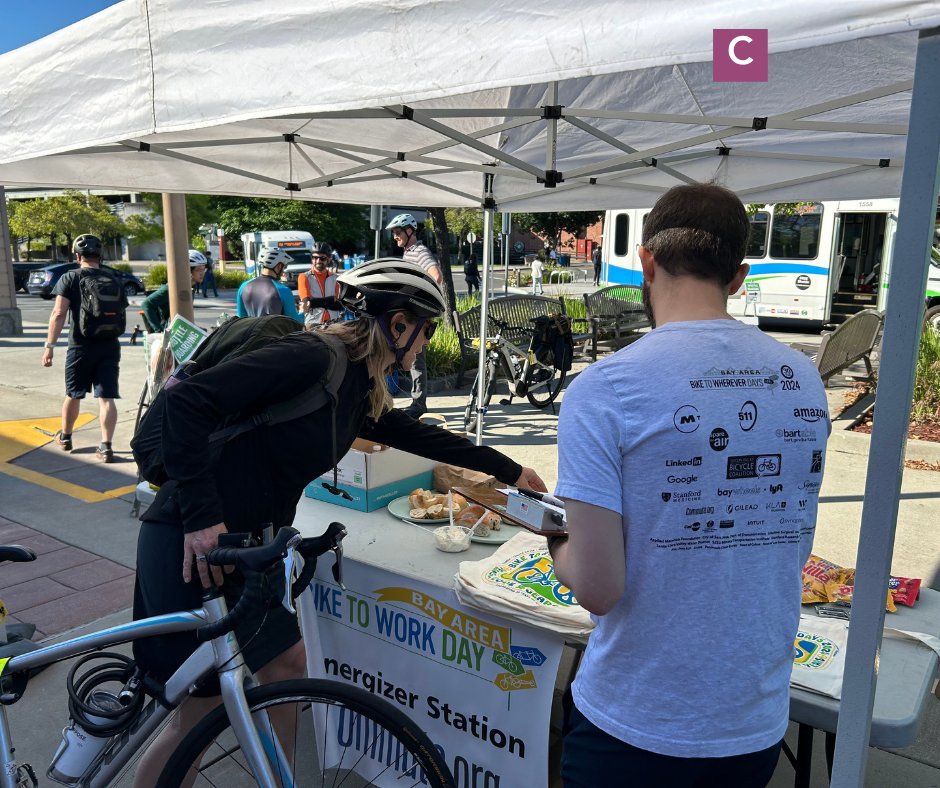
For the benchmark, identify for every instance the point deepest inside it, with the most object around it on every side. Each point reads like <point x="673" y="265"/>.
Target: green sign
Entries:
<point x="185" y="337"/>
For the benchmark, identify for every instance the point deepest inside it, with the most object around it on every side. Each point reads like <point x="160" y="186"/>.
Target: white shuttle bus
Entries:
<point x="812" y="263"/>
<point x="297" y="243"/>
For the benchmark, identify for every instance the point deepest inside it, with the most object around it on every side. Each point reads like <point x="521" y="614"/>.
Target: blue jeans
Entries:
<point x="592" y="758"/>
<point x="208" y="282"/>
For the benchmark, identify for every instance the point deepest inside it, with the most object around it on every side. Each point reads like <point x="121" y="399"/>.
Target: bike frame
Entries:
<point x="507" y="351"/>
<point x="221" y="655"/>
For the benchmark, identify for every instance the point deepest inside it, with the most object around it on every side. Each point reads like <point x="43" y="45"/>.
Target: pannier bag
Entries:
<point x="553" y="344"/>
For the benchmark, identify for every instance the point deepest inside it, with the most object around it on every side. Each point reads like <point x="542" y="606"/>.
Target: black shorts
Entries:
<point x="160" y="589"/>
<point x="94" y="364"/>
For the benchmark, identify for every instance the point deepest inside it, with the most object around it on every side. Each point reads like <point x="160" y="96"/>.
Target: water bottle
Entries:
<point x="79" y="748"/>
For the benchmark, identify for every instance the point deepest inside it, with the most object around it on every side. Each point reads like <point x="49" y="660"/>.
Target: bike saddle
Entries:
<point x="16" y="553"/>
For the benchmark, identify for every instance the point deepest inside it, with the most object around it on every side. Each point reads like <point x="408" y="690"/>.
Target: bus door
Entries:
<point x="619" y="253"/>
<point x="860" y="245"/>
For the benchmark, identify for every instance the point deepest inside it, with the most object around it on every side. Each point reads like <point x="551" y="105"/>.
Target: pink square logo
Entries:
<point x="739" y="55"/>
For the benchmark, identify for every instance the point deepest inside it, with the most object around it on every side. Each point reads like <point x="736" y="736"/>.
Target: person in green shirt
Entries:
<point x="156" y="306"/>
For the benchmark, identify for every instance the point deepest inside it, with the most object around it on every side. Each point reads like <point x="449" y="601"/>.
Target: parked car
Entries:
<point x="43" y="280"/>
<point x="21" y="272"/>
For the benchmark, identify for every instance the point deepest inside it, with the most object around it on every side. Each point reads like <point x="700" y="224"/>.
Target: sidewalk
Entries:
<point x="88" y="548"/>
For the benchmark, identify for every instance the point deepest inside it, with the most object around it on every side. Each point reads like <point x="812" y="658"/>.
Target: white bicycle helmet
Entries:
<point x="271" y="258"/>
<point x="196" y="258"/>
<point x="403" y="220"/>
<point x="387" y="284"/>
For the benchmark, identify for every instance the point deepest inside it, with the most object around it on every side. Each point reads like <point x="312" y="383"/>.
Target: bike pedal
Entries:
<point x="505" y="402"/>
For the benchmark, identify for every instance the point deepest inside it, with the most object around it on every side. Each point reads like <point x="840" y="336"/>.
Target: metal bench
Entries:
<point x="854" y="340"/>
<point x="616" y="310"/>
<point x="516" y="310"/>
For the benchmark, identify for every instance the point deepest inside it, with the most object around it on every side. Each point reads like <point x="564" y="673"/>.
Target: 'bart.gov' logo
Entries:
<point x="813" y="651"/>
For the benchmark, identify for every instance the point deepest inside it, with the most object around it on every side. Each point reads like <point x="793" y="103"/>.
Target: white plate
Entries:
<point x="400" y="508"/>
<point x="506" y="532"/>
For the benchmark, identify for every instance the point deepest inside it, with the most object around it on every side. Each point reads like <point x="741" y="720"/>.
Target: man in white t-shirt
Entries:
<point x="538" y="270"/>
<point x="690" y="463"/>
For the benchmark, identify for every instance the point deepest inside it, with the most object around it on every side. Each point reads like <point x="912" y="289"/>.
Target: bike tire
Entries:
<point x="541" y="391"/>
<point x="375" y="725"/>
<point x="470" y="412"/>
<point x="143" y="402"/>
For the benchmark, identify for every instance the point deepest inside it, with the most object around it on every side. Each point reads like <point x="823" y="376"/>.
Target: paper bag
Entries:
<point x="448" y="476"/>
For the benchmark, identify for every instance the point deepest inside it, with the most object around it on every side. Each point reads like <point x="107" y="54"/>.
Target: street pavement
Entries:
<point x="75" y="512"/>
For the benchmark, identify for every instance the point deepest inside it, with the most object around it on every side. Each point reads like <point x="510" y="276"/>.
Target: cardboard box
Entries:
<point x="373" y="480"/>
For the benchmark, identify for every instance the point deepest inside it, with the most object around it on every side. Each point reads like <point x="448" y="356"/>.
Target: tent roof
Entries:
<point x="414" y="102"/>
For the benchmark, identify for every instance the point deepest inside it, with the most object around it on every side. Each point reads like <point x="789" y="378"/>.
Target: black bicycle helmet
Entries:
<point x="322" y="247"/>
<point x="87" y="245"/>
<point x="387" y="284"/>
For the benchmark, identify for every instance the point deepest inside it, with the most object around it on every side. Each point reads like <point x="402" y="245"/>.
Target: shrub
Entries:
<point x="125" y="267"/>
<point x="926" y="405"/>
<point x="443" y="352"/>
<point x="230" y="279"/>
<point x="156" y="276"/>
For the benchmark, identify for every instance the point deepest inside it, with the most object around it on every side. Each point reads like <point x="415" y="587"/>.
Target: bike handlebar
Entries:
<point x="256" y="563"/>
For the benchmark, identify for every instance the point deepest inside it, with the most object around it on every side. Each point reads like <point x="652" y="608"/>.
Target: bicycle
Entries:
<point x="524" y="373"/>
<point x="353" y="732"/>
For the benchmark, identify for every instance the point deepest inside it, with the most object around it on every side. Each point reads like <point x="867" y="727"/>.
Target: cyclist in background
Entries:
<point x="156" y="306"/>
<point x="318" y="288"/>
<point x="261" y="474"/>
<point x="265" y="295"/>
<point x="404" y="229"/>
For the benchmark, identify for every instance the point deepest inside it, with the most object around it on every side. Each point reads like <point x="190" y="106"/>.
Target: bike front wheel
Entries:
<point x="470" y="412"/>
<point x="328" y="734"/>
<point x="543" y="385"/>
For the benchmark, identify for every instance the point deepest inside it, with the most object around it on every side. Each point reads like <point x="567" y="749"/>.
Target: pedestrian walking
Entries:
<point x="471" y="274"/>
<point x="596" y="260"/>
<point x="96" y="301"/>
<point x="538" y="269"/>
<point x="209" y="277"/>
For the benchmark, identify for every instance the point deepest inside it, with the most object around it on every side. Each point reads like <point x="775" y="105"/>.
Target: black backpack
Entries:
<point x="553" y="343"/>
<point x="232" y="339"/>
<point x="102" y="313"/>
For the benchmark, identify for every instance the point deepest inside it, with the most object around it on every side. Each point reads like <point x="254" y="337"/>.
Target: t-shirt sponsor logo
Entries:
<point x="689" y="461"/>
<point x="718" y="440"/>
<point x="727" y="492"/>
<point x="787" y="371"/>
<point x="776" y="488"/>
<point x="747" y="416"/>
<point x="726" y="523"/>
<point x="777" y="506"/>
<point x="686" y="418"/>
<point x="811" y="486"/>
<point x="810" y="414"/>
<point x="667" y="496"/>
<point x="799" y="435"/>
<point x="746" y="378"/>
<point x="816" y="463"/>
<point x="742" y="507"/>
<point x="693" y="511"/>
<point x="755" y="522"/>
<point x="753" y="466"/>
<point x="687" y="497"/>
<point x="791" y="521"/>
<point x="682" y="479"/>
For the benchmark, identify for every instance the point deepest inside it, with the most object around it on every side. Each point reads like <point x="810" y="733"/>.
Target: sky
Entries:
<point x="22" y="21"/>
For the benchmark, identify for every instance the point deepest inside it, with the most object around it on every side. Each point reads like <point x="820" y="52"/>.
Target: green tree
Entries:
<point x="343" y="226"/>
<point x="461" y="221"/>
<point x="200" y="209"/>
<point x="143" y="228"/>
<point x="551" y="225"/>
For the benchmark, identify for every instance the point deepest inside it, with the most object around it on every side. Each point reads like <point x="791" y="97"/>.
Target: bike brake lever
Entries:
<point x="291" y="571"/>
<point x="337" y="549"/>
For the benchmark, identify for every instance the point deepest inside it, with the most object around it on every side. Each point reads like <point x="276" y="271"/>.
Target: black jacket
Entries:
<point x="262" y="473"/>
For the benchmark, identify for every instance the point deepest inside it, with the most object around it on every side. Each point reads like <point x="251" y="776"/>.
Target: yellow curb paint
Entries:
<point x="23" y="435"/>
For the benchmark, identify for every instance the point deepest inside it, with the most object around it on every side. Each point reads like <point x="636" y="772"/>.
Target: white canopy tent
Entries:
<point x="514" y="107"/>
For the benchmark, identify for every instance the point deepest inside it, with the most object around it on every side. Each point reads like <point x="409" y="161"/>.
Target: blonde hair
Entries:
<point x="364" y="340"/>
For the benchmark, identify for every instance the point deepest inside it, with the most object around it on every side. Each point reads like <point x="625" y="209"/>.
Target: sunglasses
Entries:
<point x="320" y="257"/>
<point x="430" y="326"/>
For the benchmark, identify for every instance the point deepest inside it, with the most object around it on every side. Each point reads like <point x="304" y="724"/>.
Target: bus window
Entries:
<point x="621" y="235"/>
<point x="757" y="238"/>
<point x="795" y="231"/>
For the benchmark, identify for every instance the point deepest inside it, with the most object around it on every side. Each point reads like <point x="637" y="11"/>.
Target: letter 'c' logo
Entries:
<point x="739" y="55"/>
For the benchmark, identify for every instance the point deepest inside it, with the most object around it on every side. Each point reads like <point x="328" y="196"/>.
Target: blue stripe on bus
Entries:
<point x="623" y="276"/>
<point x="760" y="269"/>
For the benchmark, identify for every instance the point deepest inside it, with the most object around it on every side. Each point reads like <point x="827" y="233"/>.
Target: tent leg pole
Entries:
<point x="903" y="323"/>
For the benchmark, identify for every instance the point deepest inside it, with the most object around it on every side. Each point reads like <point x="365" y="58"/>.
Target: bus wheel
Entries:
<point x="932" y="318"/>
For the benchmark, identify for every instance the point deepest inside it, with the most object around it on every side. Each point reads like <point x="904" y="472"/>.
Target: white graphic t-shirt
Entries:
<point x="709" y="438"/>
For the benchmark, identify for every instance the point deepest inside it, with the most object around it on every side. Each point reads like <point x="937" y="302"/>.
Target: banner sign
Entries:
<point x="480" y="687"/>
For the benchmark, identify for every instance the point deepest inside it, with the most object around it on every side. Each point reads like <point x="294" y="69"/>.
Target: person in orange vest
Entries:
<point x="317" y="287"/>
